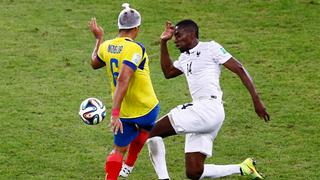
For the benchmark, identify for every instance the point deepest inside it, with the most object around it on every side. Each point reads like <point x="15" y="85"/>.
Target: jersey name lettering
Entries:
<point x="114" y="49"/>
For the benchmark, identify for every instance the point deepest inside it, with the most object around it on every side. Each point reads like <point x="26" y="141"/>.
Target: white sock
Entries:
<point x="216" y="171"/>
<point x="157" y="153"/>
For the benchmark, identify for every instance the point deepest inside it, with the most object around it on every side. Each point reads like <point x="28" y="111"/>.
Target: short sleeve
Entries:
<point x="219" y="53"/>
<point x="100" y="56"/>
<point x="178" y="63"/>
<point x="134" y="55"/>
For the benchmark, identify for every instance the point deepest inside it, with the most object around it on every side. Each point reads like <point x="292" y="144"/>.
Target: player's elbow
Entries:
<point x="94" y="66"/>
<point x="167" y="75"/>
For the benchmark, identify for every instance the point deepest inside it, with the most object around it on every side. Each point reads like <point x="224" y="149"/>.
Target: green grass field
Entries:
<point x="45" y="50"/>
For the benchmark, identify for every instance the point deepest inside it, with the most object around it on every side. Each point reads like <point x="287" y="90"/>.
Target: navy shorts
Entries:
<point x="131" y="127"/>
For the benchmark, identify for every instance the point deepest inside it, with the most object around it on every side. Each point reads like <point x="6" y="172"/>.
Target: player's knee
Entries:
<point x="194" y="173"/>
<point x="153" y="143"/>
<point x="120" y="150"/>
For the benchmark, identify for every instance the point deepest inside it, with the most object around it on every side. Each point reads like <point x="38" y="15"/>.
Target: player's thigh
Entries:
<point x="163" y="128"/>
<point x="147" y="121"/>
<point x="183" y="119"/>
<point x="197" y="117"/>
<point x="130" y="132"/>
<point x="200" y="142"/>
<point x="132" y="126"/>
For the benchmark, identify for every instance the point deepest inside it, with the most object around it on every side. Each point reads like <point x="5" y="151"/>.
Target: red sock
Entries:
<point x="135" y="147"/>
<point x="113" y="166"/>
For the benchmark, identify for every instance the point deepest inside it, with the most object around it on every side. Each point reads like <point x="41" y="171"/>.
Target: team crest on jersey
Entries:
<point x="136" y="58"/>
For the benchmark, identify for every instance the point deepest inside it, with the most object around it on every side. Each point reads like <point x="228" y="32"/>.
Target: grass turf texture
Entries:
<point x="45" y="74"/>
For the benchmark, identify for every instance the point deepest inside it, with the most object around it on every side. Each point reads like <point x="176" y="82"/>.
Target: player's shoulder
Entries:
<point x="210" y="43"/>
<point x="105" y="43"/>
<point x="103" y="47"/>
<point x="136" y="45"/>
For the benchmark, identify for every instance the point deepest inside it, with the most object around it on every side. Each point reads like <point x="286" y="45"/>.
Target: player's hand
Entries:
<point x="116" y="125"/>
<point x="95" y="29"/>
<point x="168" y="31"/>
<point x="261" y="110"/>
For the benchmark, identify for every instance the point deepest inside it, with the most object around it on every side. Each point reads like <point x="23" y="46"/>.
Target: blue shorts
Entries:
<point x="131" y="127"/>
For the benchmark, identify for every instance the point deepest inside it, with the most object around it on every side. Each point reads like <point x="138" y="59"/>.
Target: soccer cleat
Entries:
<point x="125" y="171"/>
<point x="248" y="168"/>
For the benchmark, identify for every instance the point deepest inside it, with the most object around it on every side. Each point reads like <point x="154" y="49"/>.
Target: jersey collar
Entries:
<point x="194" y="49"/>
<point x="126" y="38"/>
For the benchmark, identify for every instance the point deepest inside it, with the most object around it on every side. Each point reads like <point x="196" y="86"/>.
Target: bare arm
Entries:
<point x="125" y="75"/>
<point x="169" y="71"/>
<point x="236" y="67"/>
<point x="98" y="33"/>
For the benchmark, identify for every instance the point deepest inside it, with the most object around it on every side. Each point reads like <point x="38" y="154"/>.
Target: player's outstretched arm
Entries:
<point x="97" y="31"/>
<point x="236" y="67"/>
<point x="169" y="71"/>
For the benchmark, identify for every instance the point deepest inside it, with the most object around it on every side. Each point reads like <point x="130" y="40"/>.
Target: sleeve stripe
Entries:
<point x="130" y="64"/>
<point x="100" y="60"/>
<point x="142" y="47"/>
<point x="141" y="66"/>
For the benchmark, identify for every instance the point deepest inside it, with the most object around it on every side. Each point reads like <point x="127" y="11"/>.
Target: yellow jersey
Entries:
<point x="140" y="98"/>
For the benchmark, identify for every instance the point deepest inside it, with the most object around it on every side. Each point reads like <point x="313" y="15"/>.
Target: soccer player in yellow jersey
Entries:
<point x="134" y="103"/>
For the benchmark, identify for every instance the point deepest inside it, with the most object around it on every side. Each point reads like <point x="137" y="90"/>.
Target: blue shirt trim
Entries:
<point x="100" y="60"/>
<point x="141" y="66"/>
<point x="130" y="64"/>
<point x="140" y="44"/>
<point x="142" y="47"/>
